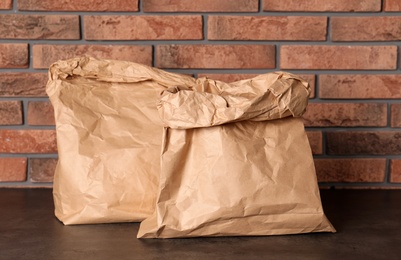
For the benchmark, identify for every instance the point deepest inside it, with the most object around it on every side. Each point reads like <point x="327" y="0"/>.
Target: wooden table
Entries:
<point x="368" y="224"/>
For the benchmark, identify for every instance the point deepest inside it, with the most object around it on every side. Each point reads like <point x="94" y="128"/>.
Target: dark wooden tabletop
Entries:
<point x="368" y="224"/>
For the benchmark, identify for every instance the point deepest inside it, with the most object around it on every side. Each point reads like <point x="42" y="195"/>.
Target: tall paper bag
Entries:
<point x="109" y="137"/>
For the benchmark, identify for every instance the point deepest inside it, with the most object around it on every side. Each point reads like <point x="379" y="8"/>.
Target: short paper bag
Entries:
<point x="236" y="161"/>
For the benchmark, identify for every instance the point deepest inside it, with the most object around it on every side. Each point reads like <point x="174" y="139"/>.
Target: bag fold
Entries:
<point x="265" y="97"/>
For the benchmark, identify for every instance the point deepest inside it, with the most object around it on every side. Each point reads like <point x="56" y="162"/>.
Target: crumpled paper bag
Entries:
<point x="109" y="136"/>
<point x="236" y="161"/>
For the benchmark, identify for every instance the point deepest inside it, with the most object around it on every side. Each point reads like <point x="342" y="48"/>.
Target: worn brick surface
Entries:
<point x="10" y="113"/>
<point x="22" y="84"/>
<point x="354" y="86"/>
<point x="346" y="114"/>
<point x="301" y="28"/>
<point x="106" y="27"/>
<point x="13" y="169"/>
<point x="27" y="141"/>
<point x="79" y="5"/>
<point x="310" y="78"/>
<point x="40" y="113"/>
<point x="395" y="170"/>
<point x="395" y="115"/>
<point x="322" y="6"/>
<point x="315" y="141"/>
<point x="366" y="28"/>
<point x="364" y="142"/>
<point x="6" y="4"/>
<point x="216" y="56"/>
<point x="392" y="5"/>
<point x="339" y="57"/>
<point x="14" y="55"/>
<point x="45" y="55"/>
<point x="18" y="26"/>
<point x="200" y="6"/>
<point x="351" y="170"/>
<point x="42" y="169"/>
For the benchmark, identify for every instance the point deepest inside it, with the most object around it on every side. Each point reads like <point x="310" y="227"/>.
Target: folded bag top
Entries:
<point x="236" y="161"/>
<point x="265" y="97"/>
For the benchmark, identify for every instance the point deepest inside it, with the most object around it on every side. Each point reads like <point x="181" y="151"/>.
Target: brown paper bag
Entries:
<point x="109" y="138"/>
<point x="255" y="176"/>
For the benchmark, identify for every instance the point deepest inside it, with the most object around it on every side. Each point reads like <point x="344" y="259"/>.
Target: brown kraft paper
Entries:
<point x="109" y="137"/>
<point x="236" y="161"/>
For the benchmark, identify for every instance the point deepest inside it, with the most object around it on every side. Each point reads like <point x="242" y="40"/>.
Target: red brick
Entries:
<point x="107" y="27"/>
<point x="10" y="113"/>
<point x="13" y="169"/>
<point x="396" y="115"/>
<point x="315" y="141"/>
<point x="351" y="170"/>
<point x="200" y="6"/>
<point x="364" y="142"/>
<point x="301" y="28"/>
<point x="79" y="5"/>
<point x="366" y="28"/>
<point x="40" y="113"/>
<point x="354" y="86"/>
<point x="22" y="84"/>
<point x="346" y="114"/>
<point x="395" y="168"/>
<point x="216" y="56"/>
<point x="6" y="4"/>
<point x="27" y="141"/>
<point x="322" y="6"/>
<point x="14" y="55"/>
<point x="339" y="57"/>
<point x="45" y="55"/>
<point x="310" y="78"/>
<point x="18" y="26"/>
<point x="392" y="5"/>
<point x="42" y="169"/>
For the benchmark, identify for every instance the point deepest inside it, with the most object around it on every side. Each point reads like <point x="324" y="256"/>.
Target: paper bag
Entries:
<point x="109" y="137"/>
<point x="231" y="167"/>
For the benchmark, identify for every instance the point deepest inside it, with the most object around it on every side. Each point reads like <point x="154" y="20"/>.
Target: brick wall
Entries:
<point x="347" y="49"/>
